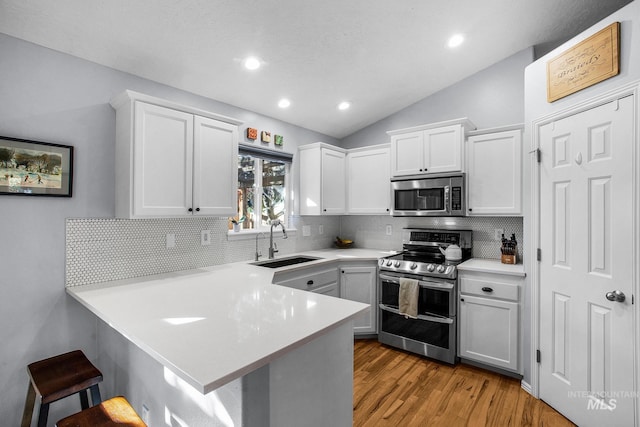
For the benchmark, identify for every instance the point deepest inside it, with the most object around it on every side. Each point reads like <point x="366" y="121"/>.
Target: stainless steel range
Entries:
<point x="433" y="332"/>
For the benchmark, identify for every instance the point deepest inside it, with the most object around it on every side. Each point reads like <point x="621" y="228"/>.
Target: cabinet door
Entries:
<point x="334" y="200"/>
<point x="309" y="161"/>
<point x="368" y="181"/>
<point x="331" y="290"/>
<point x="359" y="284"/>
<point x="407" y="154"/>
<point x="489" y="331"/>
<point x="443" y="149"/>
<point x="215" y="167"/>
<point x="494" y="173"/>
<point x="162" y="161"/>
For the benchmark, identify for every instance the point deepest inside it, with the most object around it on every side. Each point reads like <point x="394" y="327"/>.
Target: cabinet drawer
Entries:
<point x="312" y="281"/>
<point x="489" y="288"/>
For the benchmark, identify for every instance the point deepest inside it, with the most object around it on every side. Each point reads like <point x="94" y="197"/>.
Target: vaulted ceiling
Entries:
<point x="379" y="55"/>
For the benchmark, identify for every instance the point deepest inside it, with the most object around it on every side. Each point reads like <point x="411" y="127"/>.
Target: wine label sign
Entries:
<point x="589" y="62"/>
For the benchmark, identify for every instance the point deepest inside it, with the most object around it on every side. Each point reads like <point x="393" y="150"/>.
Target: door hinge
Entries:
<point x="537" y="356"/>
<point x="539" y="254"/>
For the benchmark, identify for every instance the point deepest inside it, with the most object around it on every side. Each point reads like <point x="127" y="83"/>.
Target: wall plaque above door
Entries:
<point x="589" y="62"/>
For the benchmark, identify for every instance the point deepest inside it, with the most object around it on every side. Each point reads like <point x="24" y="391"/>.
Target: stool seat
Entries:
<point x="113" y="412"/>
<point x="58" y="377"/>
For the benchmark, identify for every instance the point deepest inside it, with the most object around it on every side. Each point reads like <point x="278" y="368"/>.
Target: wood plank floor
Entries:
<point x="396" y="388"/>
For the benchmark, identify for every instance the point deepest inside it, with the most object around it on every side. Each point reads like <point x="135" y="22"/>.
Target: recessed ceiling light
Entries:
<point x="251" y="63"/>
<point x="284" y="103"/>
<point x="344" y="105"/>
<point x="456" y="40"/>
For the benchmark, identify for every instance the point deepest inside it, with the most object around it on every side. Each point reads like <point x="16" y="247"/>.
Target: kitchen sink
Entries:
<point x="284" y="262"/>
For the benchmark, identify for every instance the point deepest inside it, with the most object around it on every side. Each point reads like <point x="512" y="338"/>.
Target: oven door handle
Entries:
<point x="421" y="283"/>
<point x="420" y="316"/>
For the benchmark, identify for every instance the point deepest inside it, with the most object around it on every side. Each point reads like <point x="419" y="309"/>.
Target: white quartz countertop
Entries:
<point x="215" y="324"/>
<point x="492" y="266"/>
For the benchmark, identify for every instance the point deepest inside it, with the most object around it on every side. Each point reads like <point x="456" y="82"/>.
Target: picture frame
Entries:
<point x="35" y="168"/>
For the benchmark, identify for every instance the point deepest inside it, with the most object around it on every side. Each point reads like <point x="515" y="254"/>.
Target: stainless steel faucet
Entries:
<point x="258" y="254"/>
<point x="272" y="246"/>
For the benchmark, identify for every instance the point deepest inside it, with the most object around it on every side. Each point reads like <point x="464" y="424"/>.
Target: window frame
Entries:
<point x="260" y="155"/>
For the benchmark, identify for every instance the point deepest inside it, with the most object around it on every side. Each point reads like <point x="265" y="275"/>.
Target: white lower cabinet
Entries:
<point x="488" y="318"/>
<point x="322" y="280"/>
<point x="358" y="283"/>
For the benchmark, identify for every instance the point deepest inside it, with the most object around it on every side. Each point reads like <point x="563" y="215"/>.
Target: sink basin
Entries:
<point x="283" y="262"/>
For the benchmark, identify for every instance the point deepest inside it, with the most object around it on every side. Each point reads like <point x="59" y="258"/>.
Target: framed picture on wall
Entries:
<point x="35" y="168"/>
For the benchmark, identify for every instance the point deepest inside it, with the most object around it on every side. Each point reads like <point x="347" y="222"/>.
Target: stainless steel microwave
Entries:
<point x="433" y="195"/>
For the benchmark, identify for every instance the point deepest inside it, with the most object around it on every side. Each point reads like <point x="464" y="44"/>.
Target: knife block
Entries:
<point x="508" y="259"/>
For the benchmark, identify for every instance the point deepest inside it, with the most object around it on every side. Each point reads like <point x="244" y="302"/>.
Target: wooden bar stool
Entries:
<point x="113" y="412"/>
<point x="58" y="377"/>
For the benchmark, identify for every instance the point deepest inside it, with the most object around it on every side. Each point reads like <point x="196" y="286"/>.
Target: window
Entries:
<point x="262" y="183"/>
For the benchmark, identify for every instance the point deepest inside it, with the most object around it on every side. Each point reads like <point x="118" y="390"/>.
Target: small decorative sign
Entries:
<point x="589" y="62"/>
<point x="252" y="133"/>
<point x="34" y="168"/>
<point x="278" y="140"/>
<point x="265" y="136"/>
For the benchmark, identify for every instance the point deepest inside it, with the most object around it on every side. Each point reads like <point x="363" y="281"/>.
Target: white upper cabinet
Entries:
<point x="368" y="177"/>
<point x="433" y="148"/>
<point x="172" y="160"/>
<point x="494" y="171"/>
<point x="322" y="180"/>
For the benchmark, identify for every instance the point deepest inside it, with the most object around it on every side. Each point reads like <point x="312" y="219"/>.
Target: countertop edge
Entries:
<point x="485" y="265"/>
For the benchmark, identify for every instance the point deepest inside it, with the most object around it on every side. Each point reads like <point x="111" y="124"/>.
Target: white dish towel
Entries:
<point x="408" y="298"/>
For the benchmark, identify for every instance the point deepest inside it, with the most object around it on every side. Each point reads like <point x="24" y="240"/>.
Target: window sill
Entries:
<point x="251" y="234"/>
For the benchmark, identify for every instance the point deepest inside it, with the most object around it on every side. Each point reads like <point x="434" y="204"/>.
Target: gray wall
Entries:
<point x="493" y="97"/>
<point x="54" y="97"/>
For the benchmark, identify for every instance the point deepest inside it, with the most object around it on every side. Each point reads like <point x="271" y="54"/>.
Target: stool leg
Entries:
<point x="84" y="401"/>
<point x="28" y="406"/>
<point x="44" y="414"/>
<point x="96" y="399"/>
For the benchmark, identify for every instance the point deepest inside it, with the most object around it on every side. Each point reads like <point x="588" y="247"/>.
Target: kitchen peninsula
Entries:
<point x="223" y="339"/>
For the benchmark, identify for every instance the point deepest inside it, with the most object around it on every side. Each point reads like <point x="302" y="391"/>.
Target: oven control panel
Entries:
<point x="418" y="268"/>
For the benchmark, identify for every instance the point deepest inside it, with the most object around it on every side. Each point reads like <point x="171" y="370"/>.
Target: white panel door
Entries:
<point x="163" y="156"/>
<point x="334" y="189"/>
<point x="586" y="223"/>
<point x="215" y="167"/>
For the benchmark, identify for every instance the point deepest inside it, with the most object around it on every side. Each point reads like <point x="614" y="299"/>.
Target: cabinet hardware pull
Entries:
<point x="190" y="209"/>
<point x="197" y="209"/>
<point x="462" y="299"/>
<point x="487" y="289"/>
<point x="310" y="282"/>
